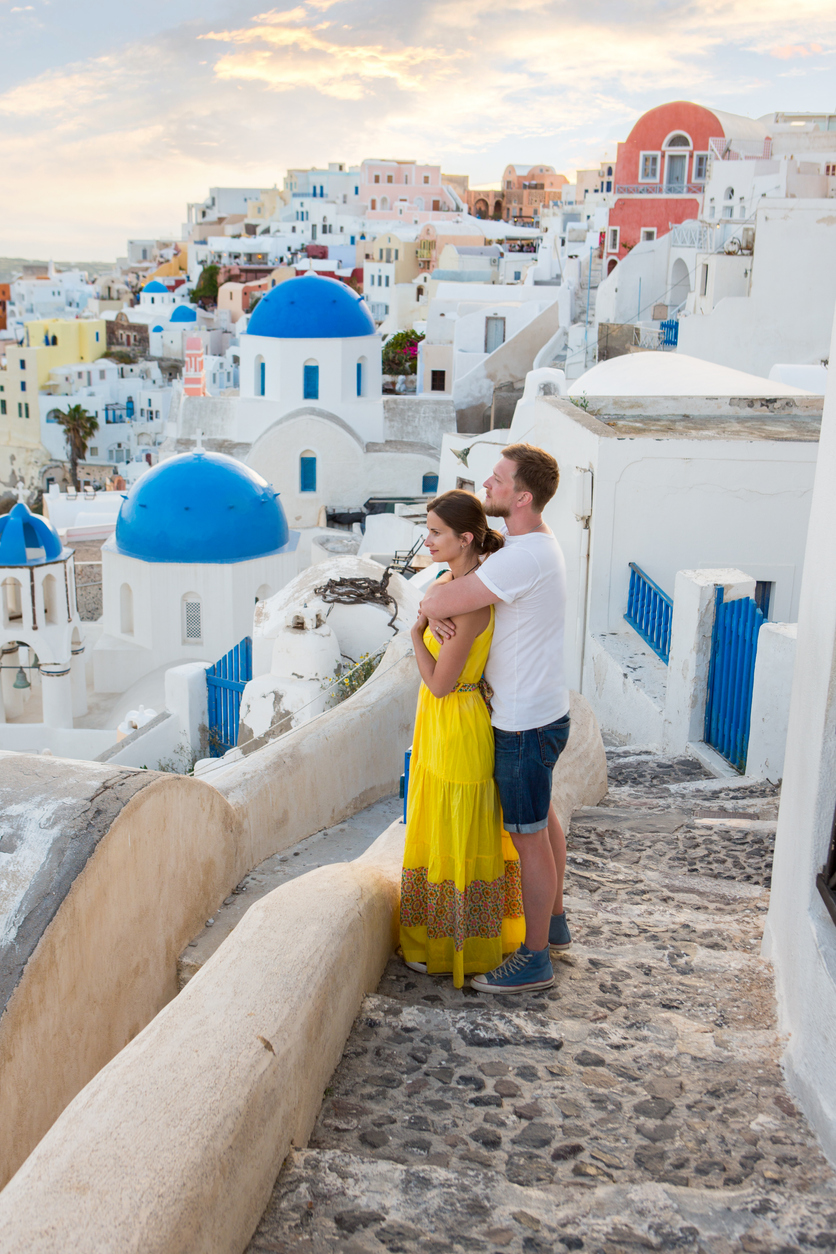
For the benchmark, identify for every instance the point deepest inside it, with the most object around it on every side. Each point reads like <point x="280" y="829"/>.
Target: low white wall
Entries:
<point x="176" y="1144"/>
<point x="771" y="693"/>
<point x="82" y="743"/>
<point x="622" y="707"/>
<point x="160" y="742"/>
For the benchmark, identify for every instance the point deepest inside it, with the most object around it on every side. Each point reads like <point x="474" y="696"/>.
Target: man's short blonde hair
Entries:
<point x="536" y="472"/>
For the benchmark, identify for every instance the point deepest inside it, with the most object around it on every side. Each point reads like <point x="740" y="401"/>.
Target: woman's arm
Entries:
<point x="442" y="676"/>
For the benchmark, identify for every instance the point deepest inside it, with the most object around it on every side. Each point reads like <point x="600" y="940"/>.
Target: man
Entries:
<point x="526" y="581"/>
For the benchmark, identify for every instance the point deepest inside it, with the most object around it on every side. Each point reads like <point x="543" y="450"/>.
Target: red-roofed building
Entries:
<point x="661" y="170"/>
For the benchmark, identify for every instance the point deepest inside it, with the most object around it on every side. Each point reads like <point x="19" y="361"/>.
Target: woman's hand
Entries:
<point x="420" y="625"/>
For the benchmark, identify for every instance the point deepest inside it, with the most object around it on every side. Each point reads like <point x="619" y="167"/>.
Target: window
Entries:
<point x="466" y="485"/>
<point x="12" y="603"/>
<point x="23" y="365"/>
<point x="429" y="483"/>
<point x="396" y="254"/>
<point x="649" y="167"/>
<point x="97" y="337"/>
<point x="360" y="376"/>
<point x="494" y="333"/>
<point x="426" y="178"/>
<point x="126" y="610"/>
<point x="437" y="380"/>
<point x="678" y="141"/>
<point x="613" y="239"/>
<point x="700" y="166"/>
<point x="436" y="206"/>
<point x="704" y="279"/>
<point x="307" y="471"/>
<point x="386" y="284"/>
<point x="94" y="452"/>
<point x="2" y="407"/>
<point x="389" y="178"/>
<point x="19" y="410"/>
<point x="23" y="385"/>
<point x="260" y="376"/>
<point x="192" y="629"/>
<point x="310" y="388"/>
<point x="517" y="275"/>
<point x="374" y="204"/>
<point x="356" y="193"/>
<point x="648" y="233"/>
<point x="377" y="178"/>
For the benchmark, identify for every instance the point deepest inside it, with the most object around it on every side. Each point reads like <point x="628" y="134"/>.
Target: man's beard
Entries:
<point x="494" y="510"/>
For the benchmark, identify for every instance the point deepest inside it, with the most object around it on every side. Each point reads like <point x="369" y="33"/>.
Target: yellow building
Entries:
<point x="49" y="342"/>
<point x="269" y="202"/>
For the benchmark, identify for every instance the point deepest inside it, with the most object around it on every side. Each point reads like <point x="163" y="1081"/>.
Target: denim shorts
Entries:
<point x="523" y="771"/>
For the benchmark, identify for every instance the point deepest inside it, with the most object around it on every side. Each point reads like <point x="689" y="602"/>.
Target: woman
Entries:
<point x="461" y="901"/>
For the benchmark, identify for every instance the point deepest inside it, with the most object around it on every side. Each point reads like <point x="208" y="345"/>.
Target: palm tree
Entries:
<point x="78" y="426"/>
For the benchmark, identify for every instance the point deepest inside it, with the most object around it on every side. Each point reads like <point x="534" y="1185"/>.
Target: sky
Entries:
<point x="114" y="116"/>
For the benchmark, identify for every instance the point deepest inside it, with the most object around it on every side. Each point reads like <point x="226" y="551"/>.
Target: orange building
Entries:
<point x="526" y="189"/>
<point x="5" y="297"/>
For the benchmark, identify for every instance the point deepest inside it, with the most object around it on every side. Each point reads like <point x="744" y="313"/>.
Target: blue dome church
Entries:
<point x="40" y="630"/>
<point x="199" y="539"/>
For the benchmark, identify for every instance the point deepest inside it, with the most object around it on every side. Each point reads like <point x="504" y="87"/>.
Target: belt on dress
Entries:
<point x="482" y="687"/>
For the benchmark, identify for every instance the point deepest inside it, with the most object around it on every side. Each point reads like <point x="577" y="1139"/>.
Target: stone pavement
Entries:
<point x="637" y="1105"/>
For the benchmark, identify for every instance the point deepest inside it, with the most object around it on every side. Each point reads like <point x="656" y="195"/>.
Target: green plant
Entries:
<point x="400" y="353"/>
<point x="79" y="427"/>
<point x="206" y="288"/>
<point x="347" y="680"/>
<point x="581" y="401"/>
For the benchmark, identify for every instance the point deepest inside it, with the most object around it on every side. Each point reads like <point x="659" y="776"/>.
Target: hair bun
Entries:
<point x="492" y="541"/>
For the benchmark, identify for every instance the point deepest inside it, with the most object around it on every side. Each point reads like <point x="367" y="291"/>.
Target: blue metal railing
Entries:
<point x="649" y="612"/>
<point x="731" y="675"/>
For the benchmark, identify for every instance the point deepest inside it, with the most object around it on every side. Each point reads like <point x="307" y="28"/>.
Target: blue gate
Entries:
<point x="669" y="333"/>
<point x="225" y="682"/>
<point x="734" y="647"/>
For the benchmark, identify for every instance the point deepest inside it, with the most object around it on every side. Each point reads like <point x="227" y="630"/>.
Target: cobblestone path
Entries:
<point x="637" y="1105"/>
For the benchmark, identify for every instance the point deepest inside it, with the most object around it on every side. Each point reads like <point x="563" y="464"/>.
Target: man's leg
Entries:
<point x="557" y="840"/>
<point x="539" y="884"/>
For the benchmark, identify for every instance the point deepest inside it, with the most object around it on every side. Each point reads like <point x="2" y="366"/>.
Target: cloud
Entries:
<point x="114" y="145"/>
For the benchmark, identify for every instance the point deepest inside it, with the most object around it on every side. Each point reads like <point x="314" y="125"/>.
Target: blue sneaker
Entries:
<point x="559" y="936"/>
<point x="523" y="972"/>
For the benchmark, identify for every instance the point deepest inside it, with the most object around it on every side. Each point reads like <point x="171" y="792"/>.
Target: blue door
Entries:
<point x="734" y="648"/>
<point x="225" y="682"/>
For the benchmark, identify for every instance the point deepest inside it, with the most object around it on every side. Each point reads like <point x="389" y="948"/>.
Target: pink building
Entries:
<point x="194" y="378"/>
<point x="405" y="189"/>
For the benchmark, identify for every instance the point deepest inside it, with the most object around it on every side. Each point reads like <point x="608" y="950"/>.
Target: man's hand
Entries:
<point x="442" y="628"/>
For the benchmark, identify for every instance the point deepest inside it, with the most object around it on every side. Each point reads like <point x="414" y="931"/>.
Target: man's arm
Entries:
<point x="460" y="596"/>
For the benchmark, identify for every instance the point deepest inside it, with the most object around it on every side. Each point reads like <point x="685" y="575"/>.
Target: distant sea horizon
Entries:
<point x="11" y="267"/>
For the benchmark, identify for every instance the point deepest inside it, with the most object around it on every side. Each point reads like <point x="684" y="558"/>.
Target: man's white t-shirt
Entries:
<point x="525" y="665"/>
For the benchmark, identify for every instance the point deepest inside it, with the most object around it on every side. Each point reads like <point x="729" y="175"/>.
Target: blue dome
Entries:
<point x="311" y="308"/>
<point x="155" y="286"/>
<point x="157" y="328"/>
<point x="26" y="539"/>
<point x="183" y="314"/>
<point x="201" y="507"/>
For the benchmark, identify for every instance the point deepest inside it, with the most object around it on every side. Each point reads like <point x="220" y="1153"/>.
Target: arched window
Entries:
<point x="126" y="610"/>
<point x="373" y="204"/>
<point x="361" y="376"/>
<point x="192" y="626"/>
<point x="384" y="202"/>
<point x="419" y="202"/>
<point x="50" y="593"/>
<point x="310" y="381"/>
<point x="678" y="141"/>
<point x="264" y="593"/>
<point x="307" y="471"/>
<point x="12" y="604"/>
<point x="260" y="381"/>
<point x="728" y="203"/>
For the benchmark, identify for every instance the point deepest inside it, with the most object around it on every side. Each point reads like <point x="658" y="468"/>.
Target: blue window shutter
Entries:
<point x="262" y="382"/>
<point x="429" y="483"/>
<point x="359" y="378"/>
<point x="307" y="474"/>
<point x="311" y="383"/>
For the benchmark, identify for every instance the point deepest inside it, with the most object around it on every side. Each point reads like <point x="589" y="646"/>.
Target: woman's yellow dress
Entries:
<point x="461" y="898"/>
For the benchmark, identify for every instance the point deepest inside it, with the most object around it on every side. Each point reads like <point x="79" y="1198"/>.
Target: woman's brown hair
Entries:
<point x="463" y="511"/>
